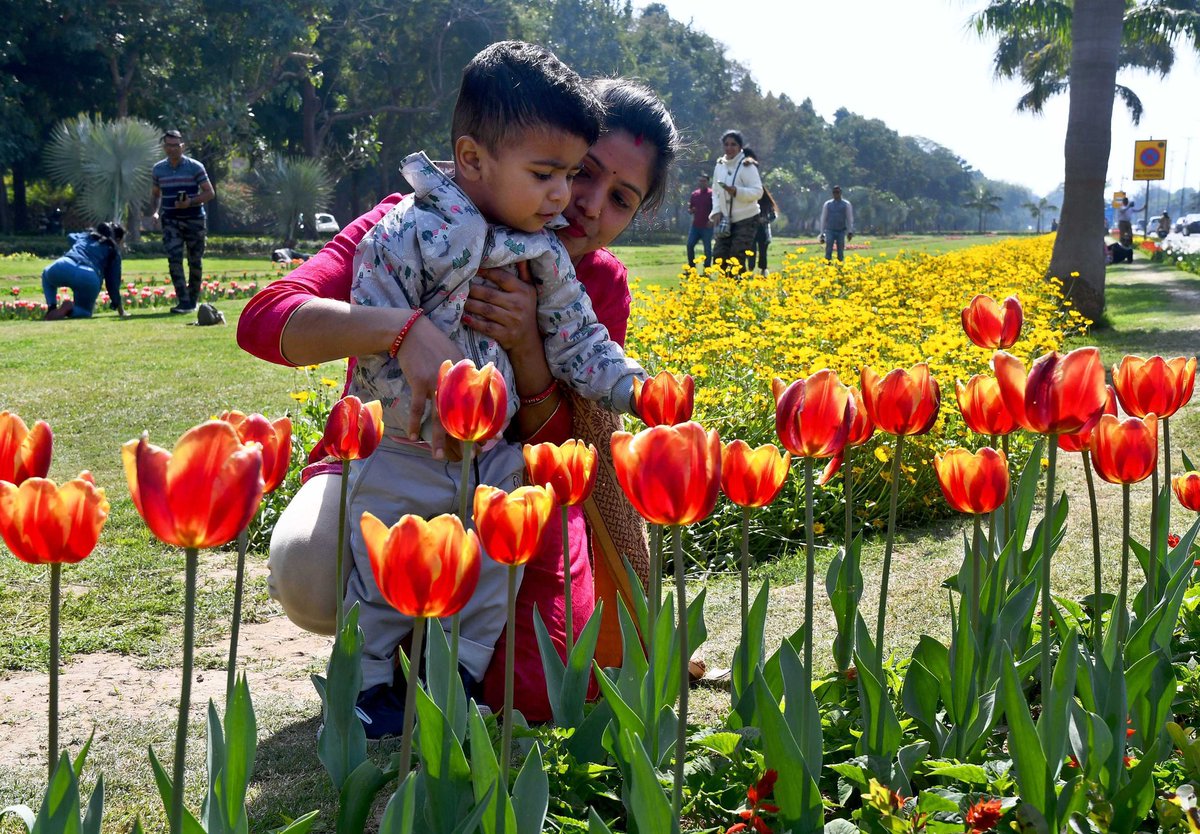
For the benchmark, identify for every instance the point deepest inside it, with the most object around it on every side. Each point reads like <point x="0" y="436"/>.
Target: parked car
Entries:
<point x="1189" y="224"/>
<point x="325" y="223"/>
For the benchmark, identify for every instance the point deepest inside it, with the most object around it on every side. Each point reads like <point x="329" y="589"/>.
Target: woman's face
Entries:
<point x="607" y="192"/>
<point x="732" y="148"/>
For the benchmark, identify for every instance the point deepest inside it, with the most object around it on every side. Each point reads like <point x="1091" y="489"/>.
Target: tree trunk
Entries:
<point x="1095" y="45"/>
<point x="5" y="218"/>
<point x="20" y="206"/>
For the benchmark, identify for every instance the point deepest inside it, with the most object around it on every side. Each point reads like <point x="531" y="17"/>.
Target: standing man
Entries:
<point x="837" y="224"/>
<point x="1125" y="221"/>
<point x="700" y="206"/>
<point x="181" y="188"/>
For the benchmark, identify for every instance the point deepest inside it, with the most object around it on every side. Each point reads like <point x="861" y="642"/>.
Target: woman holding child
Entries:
<point x="306" y="318"/>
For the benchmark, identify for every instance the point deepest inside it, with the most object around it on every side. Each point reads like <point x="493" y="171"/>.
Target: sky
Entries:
<point x="916" y="65"/>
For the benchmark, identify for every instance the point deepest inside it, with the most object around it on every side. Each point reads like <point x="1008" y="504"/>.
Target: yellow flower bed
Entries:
<point x="735" y="335"/>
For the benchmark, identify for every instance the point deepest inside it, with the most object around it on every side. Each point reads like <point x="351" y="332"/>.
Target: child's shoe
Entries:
<point x="381" y="711"/>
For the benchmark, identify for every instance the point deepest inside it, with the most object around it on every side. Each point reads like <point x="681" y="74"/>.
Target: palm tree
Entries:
<point x="108" y="164"/>
<point x="984" y="202"/>
<point x="1039" y="210"/>
<point x="288" y="187"/>
<point x="1051" y="44"/>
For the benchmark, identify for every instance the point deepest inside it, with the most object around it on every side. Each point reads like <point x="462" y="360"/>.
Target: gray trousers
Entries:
<point x="400" y="479"/>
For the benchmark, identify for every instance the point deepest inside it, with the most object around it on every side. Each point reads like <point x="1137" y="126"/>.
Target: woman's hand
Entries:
<point x="730" y="190"/>
<point x="507" y="310"/>
<point x="421" y="355"/>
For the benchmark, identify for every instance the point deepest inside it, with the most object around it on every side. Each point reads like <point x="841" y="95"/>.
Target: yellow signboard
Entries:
<point x="1150" y="159"/>
<point x="1118" y="196"/>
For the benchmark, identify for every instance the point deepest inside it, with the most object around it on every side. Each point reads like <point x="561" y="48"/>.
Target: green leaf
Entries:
<point x="1026" y="492"/>
<point x="300" y="825"/>
<point x="579" y="670"/>
<point x="970" y="773"/>
<point x="753" y="647"/>
<point x="443" y="680"/>
<point x="471" y="822"/>
<point x="645" y="799"/>
<point x="342" y="741"/>
<point x="485" y="777"/>
<point x="93" y="819"/>
<point x="796" y="792"/>
<point x="163" y="782"/>
<point x="531" y="794"/>
<point x="840" y="826"/>
<point x="881" y="729"/>
<point x="595" y="824"/>
<point x="1189" y="747"/>
<point x="623" y="714"/>
<point x="22" y="812"/>
<point x="447" y="772"/>
<point x="1024" y="744"/>
<point x="400" y="814"/>
<point x="1054" y="723"/>
<point x="1187" y="463"/>
<point x="358" y="794"/>
<point x="844" y="585"/>
<point x="554" y="670"/>
<point x="723" y="744"/>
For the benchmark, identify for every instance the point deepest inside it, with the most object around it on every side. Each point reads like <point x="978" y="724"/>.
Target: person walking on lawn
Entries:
<point x="181" y="188"/>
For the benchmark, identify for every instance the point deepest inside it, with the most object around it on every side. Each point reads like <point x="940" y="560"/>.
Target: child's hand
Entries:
<point x="420" y="357"/>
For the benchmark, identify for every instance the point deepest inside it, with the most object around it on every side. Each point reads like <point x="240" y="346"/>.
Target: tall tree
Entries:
<point x="985" y="202"/>
<point x="1039" y="210"/>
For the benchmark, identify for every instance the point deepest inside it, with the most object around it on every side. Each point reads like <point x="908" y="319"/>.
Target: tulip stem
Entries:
<point x="410" y="696"/>
<point x="243" y="544"/>
<point x="810" y="571"/>
<point x="464" y="514"/>
<point x="734" y="692"/>
<point x="848" y="493"/>
<point x="1007" y="526"/>
<point x="881" y="615"/>
<point x="1119" y="608"/>
<point x="976" y="568"/>
<point x="191" y="560"/>
<point x="510" y="643"/>
<point x="1047" y="535"/>
<point x="1097" y="607"/>
<point x="339" y="591"/>
<point x="55" y="604"/>
<point x="566" y="544"/>
<point x="992" y="550"/>
<point x="655" y="589"/>
<point x="1152" y="562"/>
<point x="1166" y="432"/>
<point x="684" y="657"/>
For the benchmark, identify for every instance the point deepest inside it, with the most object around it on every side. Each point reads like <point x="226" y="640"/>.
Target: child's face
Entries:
<point x="526" y="182"/>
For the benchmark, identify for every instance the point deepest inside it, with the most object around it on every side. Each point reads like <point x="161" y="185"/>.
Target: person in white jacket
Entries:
<point x="737" y="188"/>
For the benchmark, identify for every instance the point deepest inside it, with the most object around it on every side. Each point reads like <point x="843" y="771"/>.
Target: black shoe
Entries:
<point x="381" y="711"/>
<point x="183" y="309"/>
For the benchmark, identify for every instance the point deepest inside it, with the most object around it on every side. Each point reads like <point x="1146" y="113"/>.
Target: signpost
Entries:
<point x="1149" y="163"/>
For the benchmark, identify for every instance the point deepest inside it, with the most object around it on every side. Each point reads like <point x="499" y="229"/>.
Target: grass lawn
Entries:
<point x="104" y="381"/>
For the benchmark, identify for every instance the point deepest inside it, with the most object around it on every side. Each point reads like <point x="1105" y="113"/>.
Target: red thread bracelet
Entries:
<point x="395" y="348"/>
<point x="542" y="396"/>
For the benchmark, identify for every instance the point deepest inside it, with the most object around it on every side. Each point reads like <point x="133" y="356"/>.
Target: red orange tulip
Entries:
<point x="570" y="469"/>
<point x="1187" y="490"/>
<point x="671" y="474"/>
<point x="275" y="437"/>
<point x="813" y="416"/>
<point x="512" y="525"/>
<point x="354" y="428"/>
<point x="423" y="568"/>
<point x="1125" y="451"/>
<point x="991" y="327"/>
<point x="973" y="483"/>
<point x="24" y="452"/>
<point x="1080" y="440"/>
<point x="1060" y="395"/>
<point x="905" y="402"/>
<point x="43" y="523"/>
<point x="664" y="400"/>
<point x="1155" y="385"/>
<point x="982" y="407"/>
<point x="472" y="403"/>
<point x="753" y="477"/>
<point x="863" y="427"/>
<point x="201" y="495"/>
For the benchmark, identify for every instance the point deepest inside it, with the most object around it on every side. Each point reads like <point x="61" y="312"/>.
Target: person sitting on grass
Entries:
<point x="93" y="261"/>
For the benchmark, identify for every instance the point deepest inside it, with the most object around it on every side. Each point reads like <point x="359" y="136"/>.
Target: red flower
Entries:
<point x="1060" y="395"/>
<point x="472" y="403"/>
<point x="1172" y="540"/>
<point x="24" y="453"/>
<point x="353" y="429"/>
<point x="990" y="327"/>
<point x="903" y="402"/>
<point x="1155" y="385"/>
<point x="753" y="477"/>
<point x="664" y="400"/>
<point x="1125" y="451"/>
<point x="570" y="469"/>
<point x="983" y="815"/>
<point x="201" y="495"/>
<point x="511" y="525"/>
<point x="1187" y="490"/>
<point x="1082" y="439"/>
<point x="813" y="416"/>
<point x="275" y="437"/>
<point x="671" y="474"/>
<point x="423" y="568"/>
<point x="973" y="483"/>
<point x="763" y="787"/>
<point x="982" y="407"/>
<point x="43" y="523"/>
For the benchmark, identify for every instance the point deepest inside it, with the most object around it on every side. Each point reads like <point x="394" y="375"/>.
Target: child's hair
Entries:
<point x="630" y="107"/>
<point x="512" y="86"/>
<point x="111" y="233"/>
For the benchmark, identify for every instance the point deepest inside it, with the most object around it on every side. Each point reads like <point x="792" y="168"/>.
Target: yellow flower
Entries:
<point x="300" y="396"/>
<point x="818" y="528"/>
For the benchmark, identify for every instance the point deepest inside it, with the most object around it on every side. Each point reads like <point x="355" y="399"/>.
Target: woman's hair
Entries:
<point x="635" y="109"/>
<point x="112" y="233"/>
<point x="735" y="135"/>
<point x="766" y="202"/>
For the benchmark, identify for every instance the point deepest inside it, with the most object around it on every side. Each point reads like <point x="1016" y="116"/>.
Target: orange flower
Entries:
<point x="813" y="416"/>
<point x="973" y="483"/>
<point x="990" y="327"/>
<point x="201" y="495"/>
<point x="1061" y="394"/>
<point x="982" y="407"/>
<point x="472" y="403"/>
<point x="1125" y="451"/>
<point x="44" y="523"/>
<point x="511" y="525"/>
<point x="1187" y="490"/>
<point x="664" y="400"/>
<point x="1155" y="385"/>
<point x="863" y="427"/>
<point x="24" y="453"/>
<point x="275" y="437"/>
<point x="903" y="402"/>
<point x="353" y="429"/>
<point x="570" y="469"/>
<point x="423" y="568"/>
<point x="753" y="477"/>
<point x="1082" y="439"/>
<point x="671" y="474"/>
<point x="983" y="815"/>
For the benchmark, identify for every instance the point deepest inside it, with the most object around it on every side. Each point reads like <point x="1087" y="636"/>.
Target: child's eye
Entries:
<point x="542" y="177"/>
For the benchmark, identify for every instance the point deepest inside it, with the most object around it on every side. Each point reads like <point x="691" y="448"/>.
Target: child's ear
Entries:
<point x="468" y="162"/>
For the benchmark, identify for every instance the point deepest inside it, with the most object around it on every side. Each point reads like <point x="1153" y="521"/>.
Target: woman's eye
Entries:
<point x="620" y="200"/>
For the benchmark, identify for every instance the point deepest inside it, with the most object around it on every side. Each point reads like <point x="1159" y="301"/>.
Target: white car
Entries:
<point x="325" y="224"/>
